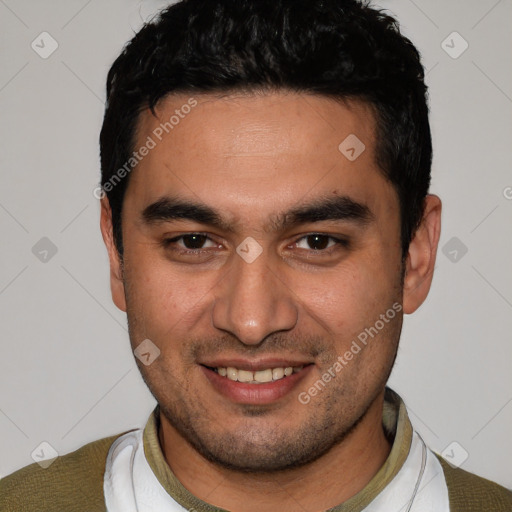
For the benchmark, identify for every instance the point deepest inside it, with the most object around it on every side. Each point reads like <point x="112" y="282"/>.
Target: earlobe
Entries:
<point x="116" y="267"/>
<point x="421" y="257"/>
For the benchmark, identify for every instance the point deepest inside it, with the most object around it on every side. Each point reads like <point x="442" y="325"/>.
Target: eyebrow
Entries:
<point x="338" y="208"/>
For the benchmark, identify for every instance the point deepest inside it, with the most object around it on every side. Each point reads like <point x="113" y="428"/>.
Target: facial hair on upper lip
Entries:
<point x="308" y="348"/>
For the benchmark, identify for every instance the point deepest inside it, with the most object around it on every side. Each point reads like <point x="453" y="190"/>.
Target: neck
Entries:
<point x="329" y="481"/>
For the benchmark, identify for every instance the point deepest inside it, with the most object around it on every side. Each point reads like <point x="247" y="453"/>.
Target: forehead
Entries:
<point x="257" y="152"/>
<point x="257" y="123"/>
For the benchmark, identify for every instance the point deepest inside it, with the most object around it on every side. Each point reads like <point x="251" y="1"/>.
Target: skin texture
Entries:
<point x="251" y="158"/>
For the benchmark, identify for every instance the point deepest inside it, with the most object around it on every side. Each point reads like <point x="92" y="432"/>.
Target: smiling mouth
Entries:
<point x="256" y="377"/>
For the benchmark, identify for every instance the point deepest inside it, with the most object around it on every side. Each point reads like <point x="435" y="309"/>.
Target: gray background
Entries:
<point x="67" y="375"/>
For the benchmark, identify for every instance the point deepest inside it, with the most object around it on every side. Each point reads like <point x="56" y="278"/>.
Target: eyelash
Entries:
<point x="339" y="243"/>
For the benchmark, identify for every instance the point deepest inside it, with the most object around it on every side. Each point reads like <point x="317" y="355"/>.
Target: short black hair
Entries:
<point x="341" y="49"/>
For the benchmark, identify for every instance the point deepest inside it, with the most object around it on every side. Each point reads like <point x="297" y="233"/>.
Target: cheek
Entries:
<point x="161" y="297"/>
<point x="347" y="299"/>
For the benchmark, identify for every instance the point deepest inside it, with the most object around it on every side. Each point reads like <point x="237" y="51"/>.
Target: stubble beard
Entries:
<point x="261" y="450"/>
<point x="260" y="446"/>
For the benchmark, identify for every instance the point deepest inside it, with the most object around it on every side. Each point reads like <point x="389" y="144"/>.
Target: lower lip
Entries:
<point x="256" y="394"/>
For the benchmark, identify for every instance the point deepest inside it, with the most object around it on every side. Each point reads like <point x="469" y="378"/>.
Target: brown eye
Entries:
<point x="194" y="241"/>
<point x="318" y="242"/>
<point x="321" y="243"/>
<point x="189" y="242"/>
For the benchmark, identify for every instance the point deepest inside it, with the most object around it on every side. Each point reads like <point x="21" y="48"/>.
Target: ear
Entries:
<point x="116" y="265"/>
<point x="421" y="257"/>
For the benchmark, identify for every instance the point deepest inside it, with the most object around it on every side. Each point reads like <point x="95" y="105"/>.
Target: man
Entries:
<point x="266" y="168"/>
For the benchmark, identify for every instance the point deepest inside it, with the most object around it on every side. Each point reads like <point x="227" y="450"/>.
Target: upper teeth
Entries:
<point x="260" y="376"/>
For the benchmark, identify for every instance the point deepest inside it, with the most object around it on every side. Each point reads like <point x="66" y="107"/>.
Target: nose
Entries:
<point x="251" y="302"/>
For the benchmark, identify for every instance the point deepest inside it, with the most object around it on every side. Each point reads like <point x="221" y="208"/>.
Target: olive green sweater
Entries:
<point x="74" y="482"/>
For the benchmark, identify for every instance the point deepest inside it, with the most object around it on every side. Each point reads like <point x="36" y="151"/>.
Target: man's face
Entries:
<point x="318" y="262"/>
